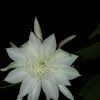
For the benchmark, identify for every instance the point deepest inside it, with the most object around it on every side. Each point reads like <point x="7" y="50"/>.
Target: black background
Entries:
<point x="62" y="20"/>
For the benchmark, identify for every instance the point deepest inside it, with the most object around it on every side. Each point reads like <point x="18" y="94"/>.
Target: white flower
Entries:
<point x="38" y="64"/>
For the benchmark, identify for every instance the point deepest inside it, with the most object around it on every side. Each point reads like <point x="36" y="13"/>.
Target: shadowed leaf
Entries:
<point x="97" y="31"/>
<point x="91" y="52"/>
<point x="91" y="91"/>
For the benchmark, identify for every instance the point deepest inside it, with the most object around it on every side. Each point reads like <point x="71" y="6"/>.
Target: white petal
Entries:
<point x="71" y="73"/>
<point x="37" y="29"/>
<point x="34" y="95"/>
<point x="58" y="65"/>
<point x="66" y="92"/>
<point x="16" y="54"/>
<point x="42" y="50"/>
<point x="70" y="60"/>
<point x="31" y="48"/>
<point x="12" y="65"/>
<point x="58" y="56"/>
<point x="60" y="78"/>
<point x="49" y="45"/>
<point x="27" y="86"/>
<point x="19" y="98"/>
<point x="16" y="75"/>
<point x="24" y="45"/>
<point x="35" y="41"/>
<point x="50" y="89"/>
<point x="62" y="57"/>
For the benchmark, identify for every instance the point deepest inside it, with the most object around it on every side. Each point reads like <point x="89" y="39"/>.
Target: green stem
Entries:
<point x="9" y="86"/>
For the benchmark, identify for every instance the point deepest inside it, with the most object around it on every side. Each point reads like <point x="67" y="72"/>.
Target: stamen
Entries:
<point x="41" y="68"/>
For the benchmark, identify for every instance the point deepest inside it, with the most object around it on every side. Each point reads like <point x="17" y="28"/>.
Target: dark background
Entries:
<point x="81" y="20"/>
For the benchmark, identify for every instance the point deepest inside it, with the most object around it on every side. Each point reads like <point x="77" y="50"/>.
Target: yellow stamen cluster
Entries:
<point x="39" y="69"/>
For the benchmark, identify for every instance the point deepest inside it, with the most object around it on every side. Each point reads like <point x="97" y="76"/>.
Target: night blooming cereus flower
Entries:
<point x="38" y="64"/>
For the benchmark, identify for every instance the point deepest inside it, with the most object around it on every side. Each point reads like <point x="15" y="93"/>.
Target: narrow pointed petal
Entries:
<point x="71" y="73"/>
<point x="16" y="54"/>
<point x="35" y="41"/>
<point x="13" y="45"/>
<point x="49" y="45"/>
<point x="34" y="95"/>
<point x="16" y="75"/>
<point x="66" y="40"/>
<point x="50" y="89"/>
<point x="12" y="65"/>
<point x="66" y="92"/>
<point x="37" y="29"/>
<point x="27" y="86"/>
<point x="60" y="78"/>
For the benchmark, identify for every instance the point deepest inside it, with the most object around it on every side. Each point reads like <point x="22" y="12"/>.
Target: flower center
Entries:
<point x="39" y="69"/>
<point x="41" y="63"/>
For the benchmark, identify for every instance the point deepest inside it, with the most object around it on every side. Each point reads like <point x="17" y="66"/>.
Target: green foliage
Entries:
<point x="88" y="53"/>
<point x="91" y="91"/>
<point x="97" y="31"/>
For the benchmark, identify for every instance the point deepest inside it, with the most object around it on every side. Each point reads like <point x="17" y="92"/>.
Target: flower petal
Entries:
<point x="49" y="45"/>
<point x="37" y="29"/>
<point x="16" y="75"/>
<point x="50" y="89"/>
<point x="32" y="50"/>
<point x="41" y="50"/>
<point x="70" y="60"/>
<point x="19" y="98"/>
<point x="35" y="41"/>
<point x="34" y="95"/>
<point x="60" y="78"/>
<point x="71" y="73"/>
<point x="16" y="54"/>
<point x="13" y="45"/>
<point x="27" y="86"/>
<point x="58" y="56"/>
<point x="66" y="92"/>
<point x="63" y="57"/>
<point x="12" y="65"/>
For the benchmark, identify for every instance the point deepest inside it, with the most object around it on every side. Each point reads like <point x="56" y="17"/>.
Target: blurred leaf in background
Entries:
<point x="88" y="53"/>
<point x="97" y="31"/>
<point x="91" y="91"/>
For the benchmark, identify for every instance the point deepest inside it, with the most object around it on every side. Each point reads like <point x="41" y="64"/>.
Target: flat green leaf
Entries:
<point x="97" y="31"/>
<point x="10" y="85"/>
<point x="88" y="53"/>
<point x="91" y="91"/>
